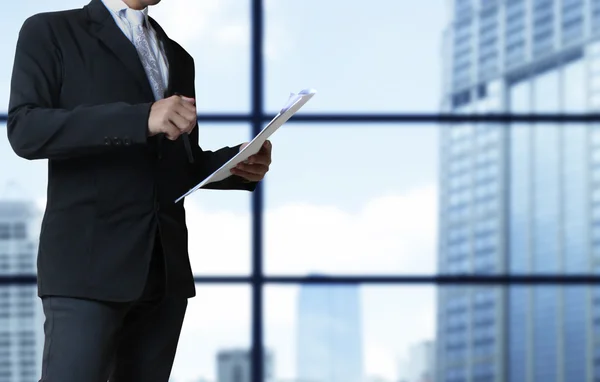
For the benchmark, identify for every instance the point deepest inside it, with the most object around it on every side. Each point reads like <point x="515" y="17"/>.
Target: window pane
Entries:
<point x="486" y="199"/>
<point x="452" y="334"/>
<point x="349" y="333"/>
<point x="218" y="221"/>
<point x="392" y="56"/>
<point x="376" y="56"/>
<point x="352" y="199"/>
<point x="215" y="338"/>
<point x="215" y="33"/>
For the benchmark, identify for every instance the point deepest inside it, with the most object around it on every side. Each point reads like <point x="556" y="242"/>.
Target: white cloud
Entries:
<point x="233" y="34"/>
<point x="204" y="22"/>
<point x="379" y="361"/>
<point x="279" y="41"/>
<point x="226" y="23"/>
<point x="384" y="237"/>
<point x="219" y="242"/>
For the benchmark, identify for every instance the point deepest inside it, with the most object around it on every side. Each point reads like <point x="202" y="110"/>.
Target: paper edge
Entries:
<point x="308" y="92"/>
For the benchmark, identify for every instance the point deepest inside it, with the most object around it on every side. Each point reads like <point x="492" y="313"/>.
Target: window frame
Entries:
<point x="257" y="280"/>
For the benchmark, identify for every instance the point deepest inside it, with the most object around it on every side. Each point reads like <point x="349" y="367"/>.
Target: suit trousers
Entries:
<point x="96" y="341"/>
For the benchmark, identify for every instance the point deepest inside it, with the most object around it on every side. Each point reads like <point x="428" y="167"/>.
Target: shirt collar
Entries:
<point x="119" y="7"/>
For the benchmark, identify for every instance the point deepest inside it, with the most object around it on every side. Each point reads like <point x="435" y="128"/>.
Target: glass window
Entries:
<point x="351" y="332"/>
<point x="217" y="35"/>
<point x="377" y="58"/>
<point x="5" y="233"/>
<point x="19" y="231"/>
<point x="215" y="338"/>
<point x="364" y="200"/>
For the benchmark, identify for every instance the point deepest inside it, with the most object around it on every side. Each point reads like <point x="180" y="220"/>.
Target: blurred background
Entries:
<point x="359" y="190"/>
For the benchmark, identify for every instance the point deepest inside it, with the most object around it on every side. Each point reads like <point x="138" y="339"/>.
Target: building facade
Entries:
<point x="523" y="198"/>
<point x="329" y="338"/>
<point x="235" y="366"/>
<point x="21" y="317"/>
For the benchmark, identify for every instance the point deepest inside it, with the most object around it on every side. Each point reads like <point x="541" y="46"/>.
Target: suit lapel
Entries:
<point x="113" y="38"/>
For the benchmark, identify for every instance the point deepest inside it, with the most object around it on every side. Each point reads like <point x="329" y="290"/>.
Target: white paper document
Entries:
<point x="294" y="103"/>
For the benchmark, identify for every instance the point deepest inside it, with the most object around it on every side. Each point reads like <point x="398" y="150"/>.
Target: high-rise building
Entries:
<point x="21" y="318"/>
<point x="419" y="365"/>
<point x="235" y="365"/>
<point x="329" y="337"/>
<point x="520" y="198"/>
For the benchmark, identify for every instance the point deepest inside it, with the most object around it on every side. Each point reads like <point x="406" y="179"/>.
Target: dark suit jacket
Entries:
<point x="81" y="99"/>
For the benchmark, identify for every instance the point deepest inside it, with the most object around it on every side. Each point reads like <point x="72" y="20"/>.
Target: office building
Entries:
<point x="21" y="318"/>
<point x="235" y="366"/>
<point x="419" y="365"/>
<point x="329" y="337"/>
<point x="522" y="198"/>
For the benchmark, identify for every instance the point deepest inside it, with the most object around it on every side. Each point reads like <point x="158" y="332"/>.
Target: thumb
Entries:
<point x="188" y="99"/>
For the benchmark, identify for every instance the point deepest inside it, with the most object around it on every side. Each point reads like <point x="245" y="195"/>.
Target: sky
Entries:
<point x="342" y="198"/>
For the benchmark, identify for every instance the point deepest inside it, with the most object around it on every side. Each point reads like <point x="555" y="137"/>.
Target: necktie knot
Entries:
<point x="135" y="18"/>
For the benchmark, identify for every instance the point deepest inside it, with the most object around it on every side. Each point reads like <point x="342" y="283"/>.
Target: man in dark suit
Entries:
<point x="108" y="99"/>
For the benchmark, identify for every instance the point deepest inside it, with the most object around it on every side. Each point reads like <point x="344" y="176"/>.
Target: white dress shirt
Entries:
<point x="117" y="9"/>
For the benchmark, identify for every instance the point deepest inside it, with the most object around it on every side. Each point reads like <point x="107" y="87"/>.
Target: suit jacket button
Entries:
<point x="126" y="141"/>
<point x="116" y="141"/>
<point x="107" y="141"/>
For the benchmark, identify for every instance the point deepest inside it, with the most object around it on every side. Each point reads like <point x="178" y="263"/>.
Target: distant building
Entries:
<point x="21" y="317"/>
<point x="329" y="339"/>
<point x="235" y="366"/>
<point x="420" y="363"/>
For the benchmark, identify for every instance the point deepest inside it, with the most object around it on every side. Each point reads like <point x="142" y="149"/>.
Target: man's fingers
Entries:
<point x="259" y="159"/>
<point x="257" y="169"/>
<point x="172" y="132"/>
<point x="246" y="175"/>
<point x="267" y="147"/>
<point x="189" y="116"/>
<point x="189" y="100"/>
<point x="188" y="105"/>
<point x="180" y="122"/>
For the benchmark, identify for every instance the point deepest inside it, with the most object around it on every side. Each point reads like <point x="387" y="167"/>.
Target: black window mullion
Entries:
<point x="257" y="115"/>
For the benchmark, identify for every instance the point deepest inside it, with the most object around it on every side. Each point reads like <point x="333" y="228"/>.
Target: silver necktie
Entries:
<point x="141" y="41"/>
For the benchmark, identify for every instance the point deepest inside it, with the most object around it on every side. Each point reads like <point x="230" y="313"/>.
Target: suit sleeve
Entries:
<point x="206" y="162"/>
<point x="38" y="128"/>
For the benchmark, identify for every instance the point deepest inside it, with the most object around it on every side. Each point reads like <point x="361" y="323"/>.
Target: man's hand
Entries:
<point x="173" y="116"/>
<point x="257" y="166"/>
